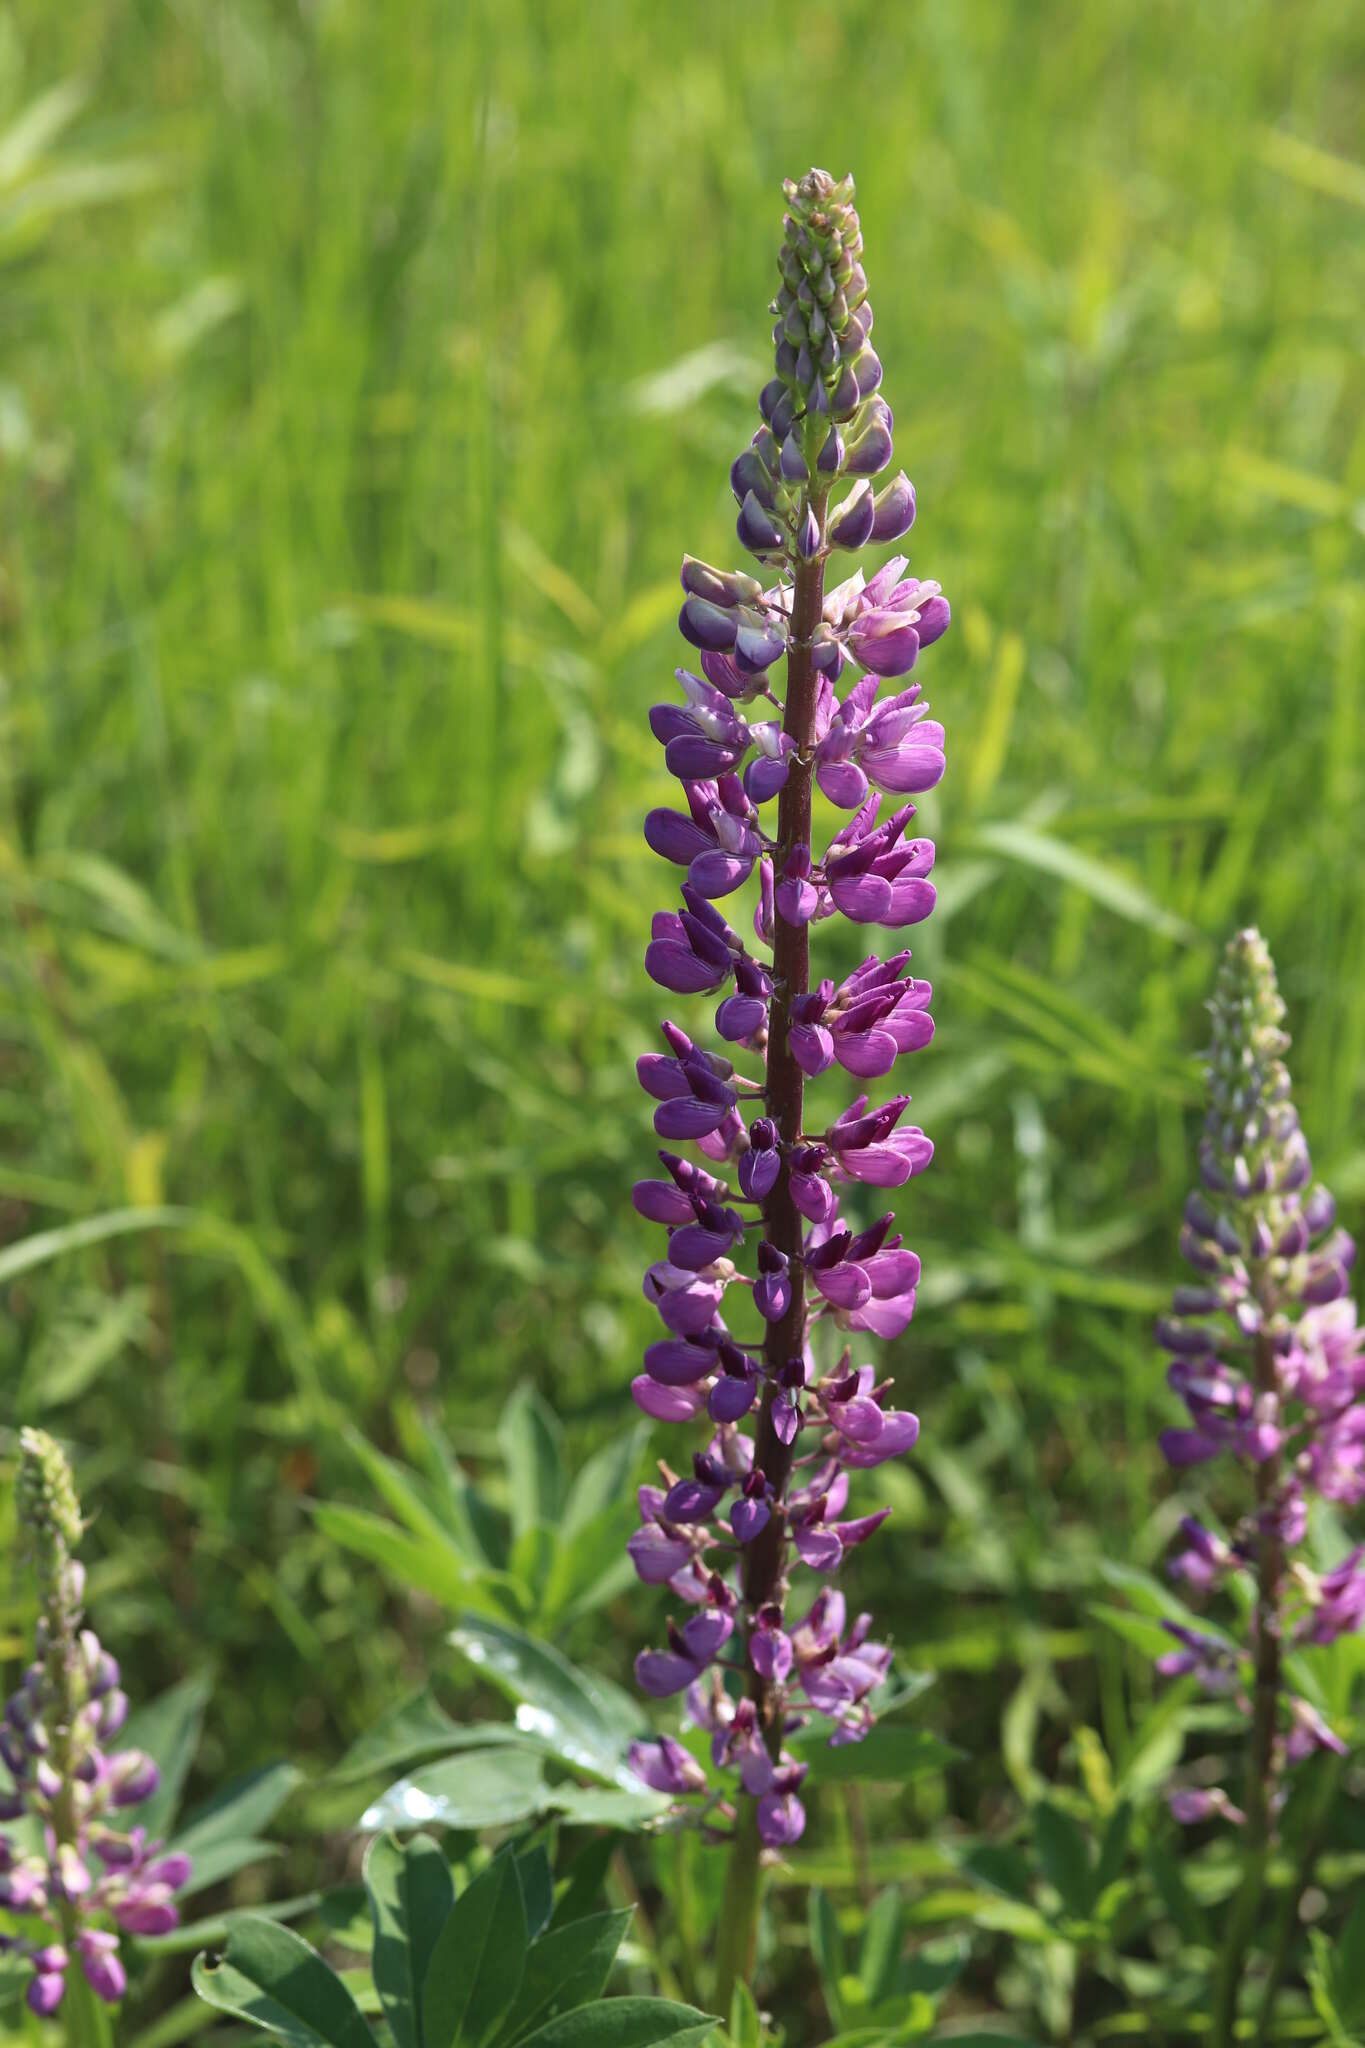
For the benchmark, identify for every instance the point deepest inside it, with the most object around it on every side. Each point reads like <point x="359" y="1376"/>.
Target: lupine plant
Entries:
<point x="778" y="1346"/>
<point x="73" y="1878"/>
<point x="1270" y="1362"/>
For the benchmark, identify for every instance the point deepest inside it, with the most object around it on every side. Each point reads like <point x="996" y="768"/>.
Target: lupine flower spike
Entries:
<point x="1268" y="1360"/>
<point x="82" y="1871"/>
<point x="769" y="1297"/>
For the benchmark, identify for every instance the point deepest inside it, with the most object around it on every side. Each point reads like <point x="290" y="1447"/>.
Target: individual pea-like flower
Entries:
<point x="762" y="1276"/>
<point x="66" y="1778"/>
<point x="1269" y="1363"/>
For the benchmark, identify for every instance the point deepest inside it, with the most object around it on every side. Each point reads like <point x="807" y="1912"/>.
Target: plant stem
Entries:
<point x="1260" y="1772"/>
<point x="766" y="1557"/>
<point x="737" y="1930"/>
<point x="1329" y="1783"/>
<point x="765" y="1560"/>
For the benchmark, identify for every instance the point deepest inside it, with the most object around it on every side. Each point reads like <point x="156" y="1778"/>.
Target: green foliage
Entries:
<point x="555" y="1555"/>
<point x="1336" y="1978"/>
<point x="473" y="1970"/>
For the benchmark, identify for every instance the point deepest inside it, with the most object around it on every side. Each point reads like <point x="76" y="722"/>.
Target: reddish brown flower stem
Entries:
<point x="765" y="1560"/>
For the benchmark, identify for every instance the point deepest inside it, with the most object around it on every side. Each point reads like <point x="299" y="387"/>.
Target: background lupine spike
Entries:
<point x="65" y="1779"/>
<point x="764" y="1284"/>
<point x="48" y="1508"/>
<point x="1267" y="1356"/>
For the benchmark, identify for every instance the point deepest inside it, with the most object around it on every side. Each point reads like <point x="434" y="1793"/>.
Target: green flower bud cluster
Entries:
<point x="48" y="1508"/>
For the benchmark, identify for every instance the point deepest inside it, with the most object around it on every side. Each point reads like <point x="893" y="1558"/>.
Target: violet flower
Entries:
<point x="64" y="1777"/>
<point x="760" y="1265"/>
<point x="1267" y="1357"/>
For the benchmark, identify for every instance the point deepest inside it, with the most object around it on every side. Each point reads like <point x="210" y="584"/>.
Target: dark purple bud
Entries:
<point x="793" y="461"/>
<point x="657" y="1556"/>
<point x="748" y="1518"/>
<point x="851" y="526"/>
<point x="749" y="478"/>
<point x="758" y="644"/>
<point x="808" y="536"/>
<point x="772" y="1287"/>
<point x="757" y="529"/>
<point x="763" y="779"/>
<point x="784" y="413"/>
<point x="1292" y="1242"/>
<point x="831" y="456"/>
<point x="717" y="586"/>
<point x="870" y="453"/>
<point x="867" y="369"/>
<point x="732" y="1396"/>
<point x="100" y="1962"/>
<point x="707" y="625"/>
<point x="1326" y="1283"/>
<point x="893" y="510"/>
<point x="45" y="1993"/>
<point x="133" y="1777"/>
<point x="768" y="397"/>
<point x="665" y="1766"/>
<point x="843" y="399"/>
<point x="147" y="1912"/>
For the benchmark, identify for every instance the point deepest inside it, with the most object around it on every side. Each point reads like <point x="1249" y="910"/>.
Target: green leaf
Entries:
<point x="1064" y="1855"/>
<point x="411" y="1894"/>
<point x="936" y="1966"/>
<point x="588" y="1568"/>
<point x="1001" y="1869"/>
<point x="168" y="1729"/>
<point x="1106" y="885"/>
<point x="270" y="1977"/>
<point x="625" y="2023"/>
<point x="243" y="1806"/>
<point x="888" y="1754"/>
<point x="565" y="1969"/>
<point x="537" y="1887"/>
<point x="1149" y="1596"/>
<point x="405" y="1496"/>
<point x="880" y="1953"/>
<point x="1114" y="1848"/>
<point x="345" y="1913"/>
<point x="746" y="2028"/>
<point x="603" y="1482"/>
<point x="1346" y="1971"/>
<point x="586" y="1876"/>
<point x="437" y="1569"/>
<point x="416" y="1728"/>
<point x="476" y="1966"/>
<point x="530" y="1436"/>
<point x="980" y="2040"/>
<point x="585" y="1721"/>
<point x="529" y="1562"/>
<point x="826" y="1946"/>
<point x="485" y="1788"/>
<point x="596" y="1806"/>
<point x="1140" y="1630"/>
<point x="16" y="1974"/>
<point x="221" y="1860"/>
<point x="1177" y="1898"/>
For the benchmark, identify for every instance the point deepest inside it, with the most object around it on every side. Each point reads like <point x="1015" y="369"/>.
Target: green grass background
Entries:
<point x="364" y="372"/>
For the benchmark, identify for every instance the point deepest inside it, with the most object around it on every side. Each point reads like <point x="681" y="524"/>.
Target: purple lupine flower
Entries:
<point x="762" y="1269"/>
<point x="1268" y="1360"/>
<point x="66" y="1779"/>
